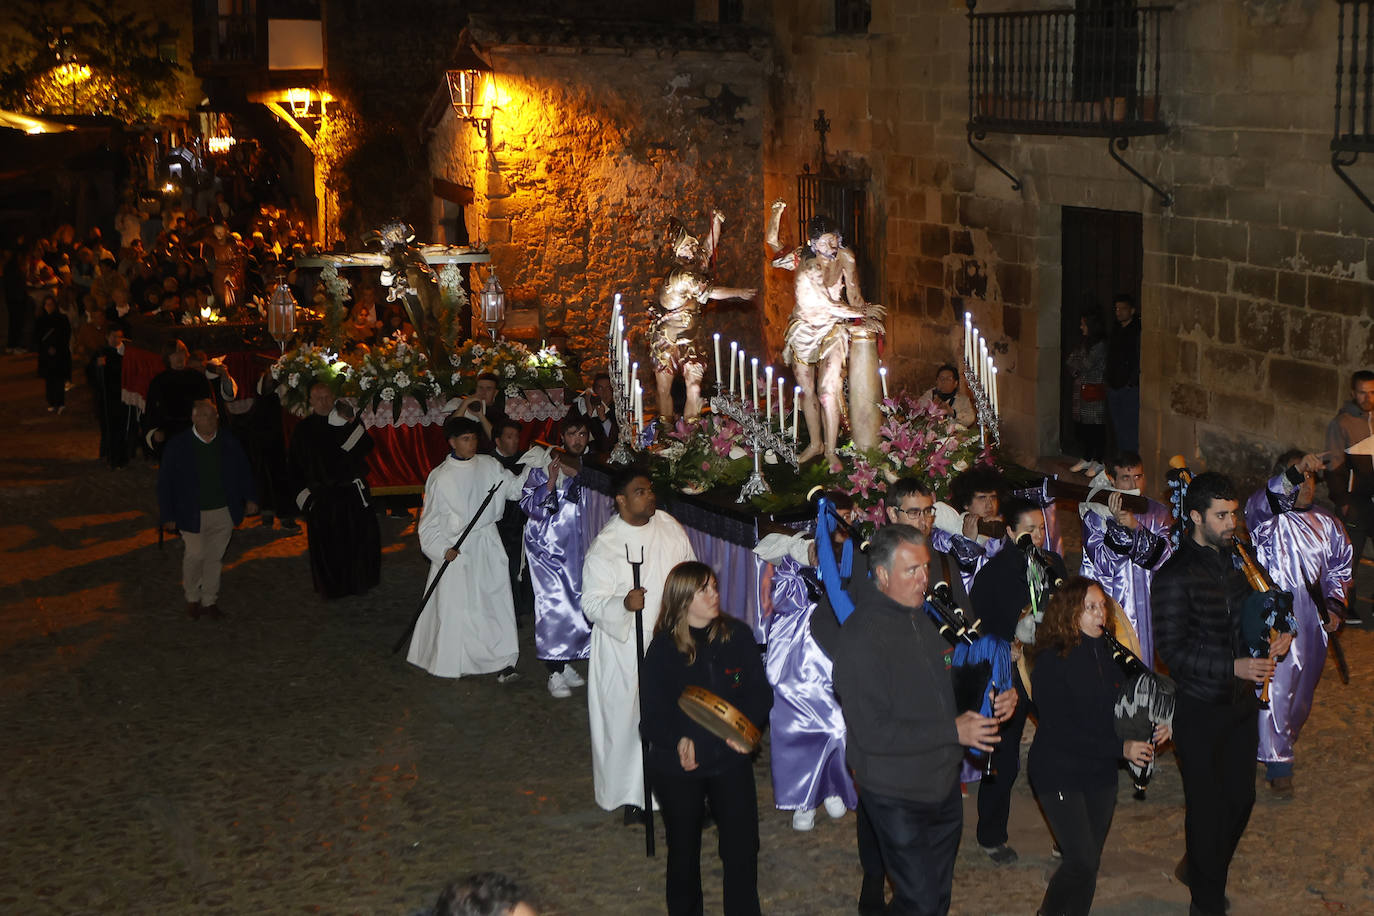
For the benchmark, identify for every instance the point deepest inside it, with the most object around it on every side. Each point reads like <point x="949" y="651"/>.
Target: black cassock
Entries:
<point x="104" y="373"/>
<point x="329" y="467"/>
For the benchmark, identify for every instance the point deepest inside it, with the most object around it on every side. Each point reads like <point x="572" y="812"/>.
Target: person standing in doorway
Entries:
<point x="1123" y="375"/>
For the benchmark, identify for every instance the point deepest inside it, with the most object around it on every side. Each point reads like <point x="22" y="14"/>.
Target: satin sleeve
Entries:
<point x="536" y="500"/>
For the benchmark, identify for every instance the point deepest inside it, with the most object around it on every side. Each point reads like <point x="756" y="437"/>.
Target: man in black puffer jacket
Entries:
<point x="1197" y="600"/>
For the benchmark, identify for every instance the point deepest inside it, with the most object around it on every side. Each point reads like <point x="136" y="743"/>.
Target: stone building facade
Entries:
<point x="1255" y="292"/>
<point x="599" y="136"/>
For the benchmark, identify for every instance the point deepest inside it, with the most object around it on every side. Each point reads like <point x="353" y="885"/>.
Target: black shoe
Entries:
<point x="1353" y="618"/>
<point x="507" y="674"/>
<point x="1139" y="793"/>
<point x="1001" y="855"/>
<point x="634" y="815"/>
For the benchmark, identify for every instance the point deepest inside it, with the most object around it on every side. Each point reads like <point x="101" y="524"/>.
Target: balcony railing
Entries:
<point x="1354" y="109"/>
<point x="1089" y="71"/>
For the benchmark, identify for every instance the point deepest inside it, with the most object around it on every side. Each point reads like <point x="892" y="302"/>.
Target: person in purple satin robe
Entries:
<point x="1308" y="554"/>
<point x="806" y="723"/>
<point x="555" y="548"/>
<point x="1122" y="550"/>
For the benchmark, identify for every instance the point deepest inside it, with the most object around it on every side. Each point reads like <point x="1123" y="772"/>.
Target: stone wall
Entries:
<point x="589" y="156"/>
<point x="1256" y="297"/>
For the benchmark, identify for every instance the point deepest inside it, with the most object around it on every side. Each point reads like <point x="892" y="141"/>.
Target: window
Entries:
<point x="730" y="12"/>
<point x="852" y="16"/>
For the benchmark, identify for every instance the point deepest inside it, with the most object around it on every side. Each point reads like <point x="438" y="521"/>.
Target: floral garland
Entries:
<point x="297" y="371"/>
<point x="502" y="358"/>
<point x="390" y="373"/>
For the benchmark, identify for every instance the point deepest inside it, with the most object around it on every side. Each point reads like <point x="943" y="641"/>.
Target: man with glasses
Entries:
<point x="911" y="502"/>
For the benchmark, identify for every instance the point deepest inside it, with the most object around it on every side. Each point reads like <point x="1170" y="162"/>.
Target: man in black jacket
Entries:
<point x="905" y="754"/>
<point x="1197" y="600"/>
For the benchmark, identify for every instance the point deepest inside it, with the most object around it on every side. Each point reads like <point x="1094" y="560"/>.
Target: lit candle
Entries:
<point x="639" y="406"/>
<point x="983" y="362"/>
<point x="733" y="348"/>
<point x="624" y="365"/>
<point x="796" y="411"/>
<point x="782" y="411"/>
<point x="743" y="381"/>
<point x="768" y="395"/>
<point x="716" y="340"/>
<point x="882" y="374"/>
<point x="754" y="363"/>
<point x="968" y="338"/>
<point x="987" y="376"/>
<point x="994" y="391"/>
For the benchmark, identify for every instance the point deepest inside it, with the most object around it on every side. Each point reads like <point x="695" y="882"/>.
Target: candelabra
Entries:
<point x="987" y="413"/>
<point x="624" y="412"/>
<point x="762" y="437"/>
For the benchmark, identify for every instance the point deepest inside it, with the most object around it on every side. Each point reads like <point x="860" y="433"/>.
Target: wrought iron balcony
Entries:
<point x="1089" y="71"/>
<point x="1354" y="130"/>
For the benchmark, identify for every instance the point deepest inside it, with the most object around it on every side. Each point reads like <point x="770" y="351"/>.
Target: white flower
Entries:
<point x="388" y="394"/>
<point x="365" y="382"/>
<point x="455" y="361"/>
<point x="477" y="351"/>
<point x="510" y="371"/>
<point x="512" y="391"/>
<point x="401" y="380"/>
<point x="960" y="466"/>
<point x="454" y="379"/>
<point x="295" y="380"/>
<point x="736" y="452"/>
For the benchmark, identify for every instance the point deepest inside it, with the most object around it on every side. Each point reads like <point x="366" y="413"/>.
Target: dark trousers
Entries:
<point x="919" y="842"/>
<point x="870" y="853"/>
<point x="55" y="387"/>
<point x="522" y="590"/>
<point x="1357" y="526"/>
<point x="1123" y="404"/>
<point x="994" y="792"/>
<point x="1079" y="820"/>
<point x="682" y="801"/>
<point x="1216" y="748"/>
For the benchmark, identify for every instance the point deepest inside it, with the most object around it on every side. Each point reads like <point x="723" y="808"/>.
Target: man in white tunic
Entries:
<point x="609" y="601"/>
<point x="468" y="626"/>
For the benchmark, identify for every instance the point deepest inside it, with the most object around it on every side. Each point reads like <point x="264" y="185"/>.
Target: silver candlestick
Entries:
<point x="761" y="438"/>
<point x="988" y="422"/>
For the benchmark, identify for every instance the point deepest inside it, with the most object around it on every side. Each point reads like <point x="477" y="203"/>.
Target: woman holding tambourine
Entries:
<point x="1073" y="761"/>
<point x="699" y="656"/>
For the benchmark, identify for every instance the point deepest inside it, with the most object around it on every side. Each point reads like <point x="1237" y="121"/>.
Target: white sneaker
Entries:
<point x="803" y="820"/>
<point x="834" y="806"/>
<point x="558" y="686"/>
<point x="1080" y="465"/>
<point x="572" y="678"/>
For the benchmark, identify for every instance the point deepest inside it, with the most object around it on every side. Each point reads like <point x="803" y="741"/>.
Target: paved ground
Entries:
<point x="283" y="761"/>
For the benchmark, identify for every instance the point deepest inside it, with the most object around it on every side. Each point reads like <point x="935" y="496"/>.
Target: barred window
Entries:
<point x="853" y="15"/>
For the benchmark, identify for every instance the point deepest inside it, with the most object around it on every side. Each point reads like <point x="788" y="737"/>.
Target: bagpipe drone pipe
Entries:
<point x="1147" y="699"/>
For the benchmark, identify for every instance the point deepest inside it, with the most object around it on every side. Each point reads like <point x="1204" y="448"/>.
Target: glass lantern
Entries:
<point x="493" y="300"/>
<point x="281" y="312"/>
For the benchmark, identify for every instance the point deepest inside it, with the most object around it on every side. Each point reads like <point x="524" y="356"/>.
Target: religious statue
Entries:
<point x="674" y="344"/>
<point x="409" y="278"/>
<point x="829" y="311"/>
<point x="230" y="257"/>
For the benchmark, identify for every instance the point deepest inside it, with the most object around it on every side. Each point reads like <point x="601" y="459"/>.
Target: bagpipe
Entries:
<point x="1179" y="479"/>
<point x="1147" y="699"/>
<point x="1265" y="613"/>
<point x="835" y="571"/>
<point x="1042" y="581"/>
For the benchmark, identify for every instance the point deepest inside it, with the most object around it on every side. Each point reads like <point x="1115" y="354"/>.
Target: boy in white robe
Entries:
<point x="468" y="626"/>
<point x="609" y="601"/>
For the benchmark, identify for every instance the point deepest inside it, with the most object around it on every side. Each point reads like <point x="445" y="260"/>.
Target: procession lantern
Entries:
<point x="493" y="300"/>
<point x="281" y="312"/>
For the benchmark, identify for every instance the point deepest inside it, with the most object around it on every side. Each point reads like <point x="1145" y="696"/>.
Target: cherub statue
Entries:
<point x="407" y="272"/>
<point x="828" y="304"/>
<point x="674" y="342"/>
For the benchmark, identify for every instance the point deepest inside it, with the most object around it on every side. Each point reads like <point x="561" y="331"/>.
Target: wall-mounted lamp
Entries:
<point x="493" y="300"/>
<point x="466" y="85"/>
<point x="299" y="99"/>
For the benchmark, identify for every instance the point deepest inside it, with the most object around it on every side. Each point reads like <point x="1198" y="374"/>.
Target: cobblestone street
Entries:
<point x="281" y="760"/>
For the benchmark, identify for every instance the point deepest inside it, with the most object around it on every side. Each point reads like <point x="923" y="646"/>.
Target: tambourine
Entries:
<point x="718" y="717"/>
<point x="1118" y="624"/>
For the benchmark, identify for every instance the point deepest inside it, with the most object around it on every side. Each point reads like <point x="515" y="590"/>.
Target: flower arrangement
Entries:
<point x="502" y="358"/>
<point x="298" y="370"/>
<point x="390" y="373"/>
<point x="915" y="440"/>
<point x="331" y="299"/>
<point x="696" y="455"/>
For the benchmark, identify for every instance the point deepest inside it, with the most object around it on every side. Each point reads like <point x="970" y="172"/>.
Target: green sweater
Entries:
<point x="209" y="473"/>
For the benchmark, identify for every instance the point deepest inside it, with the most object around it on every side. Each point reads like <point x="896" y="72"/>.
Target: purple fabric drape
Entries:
<point x="806" y="723"/>
<point x="555" y="546"/>
<point x="1124" y="560"/>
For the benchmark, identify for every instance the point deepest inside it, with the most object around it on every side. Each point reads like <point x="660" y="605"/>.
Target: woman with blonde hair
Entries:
<point x="1073" y="761"/>
<point x="695" y="645"/>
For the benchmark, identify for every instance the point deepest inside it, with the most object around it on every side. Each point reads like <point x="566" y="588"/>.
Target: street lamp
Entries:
<point x="493" y="300"/>
<point x="466" y="82"/>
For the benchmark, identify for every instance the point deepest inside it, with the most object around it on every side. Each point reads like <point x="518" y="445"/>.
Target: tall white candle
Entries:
<point x="734" y="347"/>
<point x="716" y="340"/>
<point x="743" y="379"/>
<point x="994" y="391"/>
<point x="882" y="374"/>
<point x="768" y="395"/>
<point x="625" y="366"/>
<point x="754" y="368"/>
<point x="782" y="411"/>
<point x="968" y="338"/>
<point x="989" y="369"/>
<point x="796" y="411"/>
<point x="639" y="406"/>
<point x="983" y="362"/>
